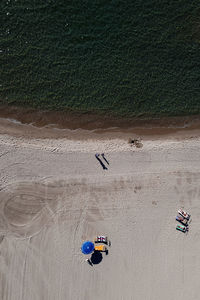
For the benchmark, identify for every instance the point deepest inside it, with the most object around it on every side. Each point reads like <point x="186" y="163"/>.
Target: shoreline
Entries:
<point x="30" y="123"/>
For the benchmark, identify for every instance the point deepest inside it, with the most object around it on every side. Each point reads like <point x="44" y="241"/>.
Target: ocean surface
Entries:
<point x="128" y="58"/>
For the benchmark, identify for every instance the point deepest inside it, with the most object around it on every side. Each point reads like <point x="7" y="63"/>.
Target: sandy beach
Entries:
<point x="54" y="195"/>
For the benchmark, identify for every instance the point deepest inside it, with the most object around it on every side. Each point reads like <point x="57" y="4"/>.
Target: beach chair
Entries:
<point x="182" y="220"/>
<point x="101" y="239"/>
<point x="182" y="228"/>
<point x="184" y="214"/>
<point x="101" y="248"/>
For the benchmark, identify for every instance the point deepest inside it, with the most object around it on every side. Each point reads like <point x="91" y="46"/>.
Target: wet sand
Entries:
<point x="55" y="194"/>
<point x="29" y="123"/>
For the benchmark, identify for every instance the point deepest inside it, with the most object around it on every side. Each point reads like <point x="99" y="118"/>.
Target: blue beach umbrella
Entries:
<point x="87" y="247"/>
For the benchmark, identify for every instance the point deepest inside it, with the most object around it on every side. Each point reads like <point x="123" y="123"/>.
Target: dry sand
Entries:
<point x="54" y="194"/>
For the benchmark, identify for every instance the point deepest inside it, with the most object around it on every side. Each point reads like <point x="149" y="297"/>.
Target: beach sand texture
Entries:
<point x="54" y="195"/>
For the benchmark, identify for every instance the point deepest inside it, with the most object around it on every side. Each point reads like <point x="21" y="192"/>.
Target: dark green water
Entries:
<point x="126" y="57"/>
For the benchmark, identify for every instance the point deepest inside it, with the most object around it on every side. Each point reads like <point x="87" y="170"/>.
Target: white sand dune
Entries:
<point x="54" y="194"/>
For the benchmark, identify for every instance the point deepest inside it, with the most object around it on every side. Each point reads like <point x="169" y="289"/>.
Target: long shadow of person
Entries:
<point x="101" y="163"/>
<point x="103" y="155"/>
<point x="96" y="257"/>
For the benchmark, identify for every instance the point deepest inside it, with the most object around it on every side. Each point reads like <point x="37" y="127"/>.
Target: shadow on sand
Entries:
<point x="100" y="161"/>
<point x="103" y="155"/>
